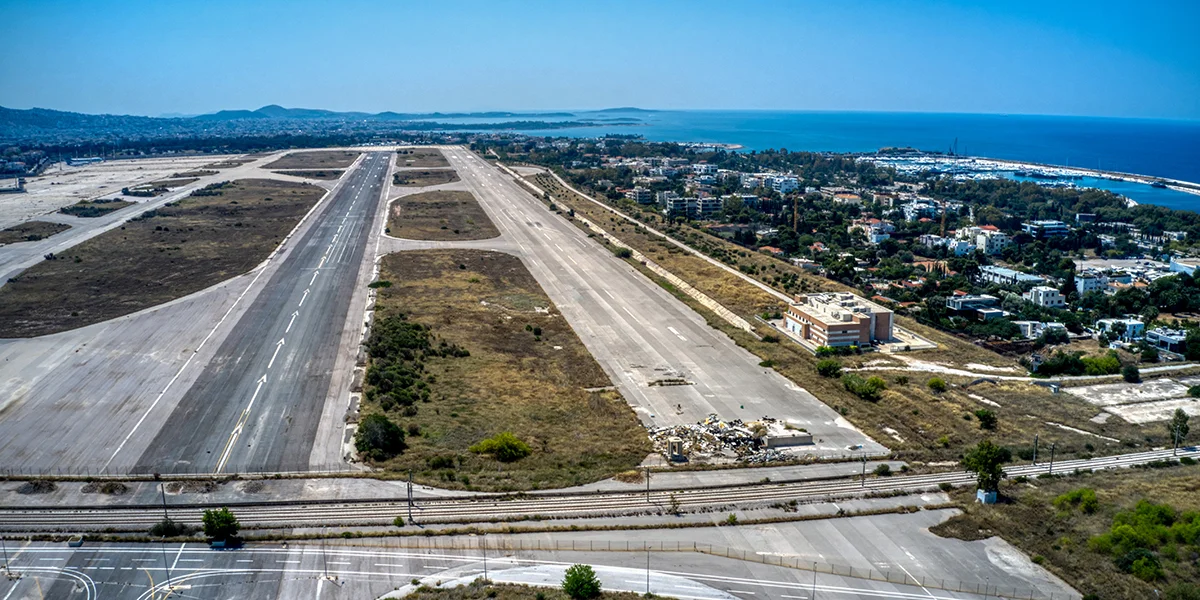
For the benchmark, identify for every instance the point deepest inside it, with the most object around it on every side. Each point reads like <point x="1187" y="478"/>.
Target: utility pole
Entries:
<point x="410" y="519"/>
<point x="814" y="589"/>
<point x="647" y="484"/>
<point x="166" y="563"/>
<point x="864" y="469"/>
<point x="647" y="569"/>
<point x="4" y="547"/>
<point x="1052" y="447"/>
<point x="324" y="559"/>
<point x="1035" y="447"/>
<point x="483" y="539"/>
<point x="1175" y="439"/>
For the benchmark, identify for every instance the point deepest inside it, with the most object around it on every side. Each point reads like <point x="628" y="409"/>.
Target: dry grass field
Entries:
<point x="527" y="374"/>
<point x="423" y="178"/>
<point x="439" y="215"/>
<point x="30" y="231"/>
<point x="321" y="159"/>
<point x="478" y="590"/>
<point x="917" y="423"/>
<point x="94" y="208"/>
<point x="322" y="174"/>
<point x="174" y="251"/>
<point x="420" y="157"/>
<point x="1027" y="518"/>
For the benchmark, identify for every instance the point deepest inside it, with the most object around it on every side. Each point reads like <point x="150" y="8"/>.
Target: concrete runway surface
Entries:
<point x="257" y="403"/>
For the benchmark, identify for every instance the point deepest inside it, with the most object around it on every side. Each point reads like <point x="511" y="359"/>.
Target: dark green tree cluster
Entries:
<point x="398" y="349"/>
<point x="1139" y="535"/>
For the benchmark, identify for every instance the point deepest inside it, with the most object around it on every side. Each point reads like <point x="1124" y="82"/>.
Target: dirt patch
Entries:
<point x="192" y="487"/>
<point x="30" y="231"/>
<point x="423" y="178"/>
<point x="168" y="253"/>
<point x="439" y="215"/>
<point x="420" y="157"/>
<point x="251" y="487"/>
<point x="324" y="159"/>
<point x="323" y="174"/>
<point x="195" y="173"/>
<point x="157" y="188"/>
<point x="94" y="208"/>
<point x="527" y="373"/>
<point x="38" y="486"/>
<point x="110" y="488"/>
<point x="229" y="164"/>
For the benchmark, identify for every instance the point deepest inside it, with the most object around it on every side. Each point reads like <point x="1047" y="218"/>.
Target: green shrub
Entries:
<point x="883" y="470"/>
<point x="1083" y="498"/>
<point x="1131" y="374"/>
<point x="937" y="384"/>
<point x="829" y="367"/>
<point x="870" y="389"/>
<point x="987" y="419"/>
<point x="378" y="438"/>
<point x="220" y="524"/>
<point x="504" y="447"/>
<point x="623" y="253"/>
<point x="581" y="583"/>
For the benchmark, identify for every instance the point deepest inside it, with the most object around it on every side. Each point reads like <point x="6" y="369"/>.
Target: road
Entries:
<point x="257" y="403"/>
<point x="640" y="333"/>
<point x="368" y="571"/>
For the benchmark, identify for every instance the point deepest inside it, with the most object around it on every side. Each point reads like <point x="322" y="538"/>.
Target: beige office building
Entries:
<point x="838" y="319"/>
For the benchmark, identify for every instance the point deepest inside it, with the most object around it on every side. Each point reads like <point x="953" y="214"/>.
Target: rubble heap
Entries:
<point x="715" y="439"/>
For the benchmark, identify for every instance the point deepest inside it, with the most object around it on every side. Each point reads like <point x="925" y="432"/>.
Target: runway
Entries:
<point x="257" y="403"/>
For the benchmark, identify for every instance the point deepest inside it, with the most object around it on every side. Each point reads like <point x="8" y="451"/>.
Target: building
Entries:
<point x="875" y="230"/>
<point x="784" y="184"/>
<point x="988" y="239"/>
<point x="957" y="247"/>
<point x="982" y="307"/>
<point x="1085" y="284"/>
<point x="1034" y="329"/>
<point x="1005" y="276"/>
<point x="1046" y="229"/>
<point x="919" y="208"/>
<point x="847" y="198"/>
<point x="1133" y="328"/>
<point x="708" y="206"/>
<point x="1184" y="266"/>
<point x="1085" y="217"/>
<point x="640" y="195"/>
<point x="1046" y="297"/>
<point x="704" y="169"/>
<point x="1171" y="340"/>
<point x="838" y="319"/>
<point x="677" y="206"/>
<point x="664" y="197"/>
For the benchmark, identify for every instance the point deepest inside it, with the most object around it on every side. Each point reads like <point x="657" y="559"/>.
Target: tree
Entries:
<point x="937" y="384"/>
<point x="829" y="367"/>
<point x="504" y="447"/>
<point x="987" y="419"/>
<point x="378" y="438"/>
<point x="220" y="524"/>
<point x="987" y="460"/>
<point x="1179" y="426"/>
<point x="1131" y="374"/>
<point x="1149" y="354"/>
<point x="581" y="583"/>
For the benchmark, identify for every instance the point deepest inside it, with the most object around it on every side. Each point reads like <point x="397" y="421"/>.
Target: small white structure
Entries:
<point x="1045" y="296"/>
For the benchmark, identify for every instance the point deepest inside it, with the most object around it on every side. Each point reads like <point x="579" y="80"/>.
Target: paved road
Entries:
<point x="640" y="333"/>
<point x="257" y="404"/>
<point x="364" y="571"/>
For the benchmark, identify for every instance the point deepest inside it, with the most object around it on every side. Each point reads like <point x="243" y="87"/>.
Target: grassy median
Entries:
<point x="30" y="231"/>
<point x="322" y="174"/>
<point x="439" y="215"/>
<point x="321" y="159"/>
<point x="167" y="253"/>
<point x="1061" y="536"/>
<point x="420" y="157"/>
<point x="89" y="209"/>
<point x="527" y="373"/>
<point x="425" y="177"/>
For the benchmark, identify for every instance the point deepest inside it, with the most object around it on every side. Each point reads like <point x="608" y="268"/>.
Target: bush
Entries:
<point x="1149" y="354"/>
<point x="623" y="253"/>
<point x="1194" y="391"/>
<point x="504" y="447"/>
<point x="1131" y="374"/>
<point x="398" y="521"/>
<point x="829" y="367"/>
<point x="378" y="438"/>
<point x="1083" y="498"/>
<point x="883" y="471"/>
<point x="987" y="419"/>
<point x="937" y="384"/>
<point x="220" y="524"/>
<point x="169" y="528"/>
<point x="870" y="389"/>
<point x="581" y="583"/>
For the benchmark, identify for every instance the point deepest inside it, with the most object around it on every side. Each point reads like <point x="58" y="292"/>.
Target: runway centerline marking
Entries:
<point x="289" y="327"/>
<point x="306" y="291"/>
<point x="279" y="345"/>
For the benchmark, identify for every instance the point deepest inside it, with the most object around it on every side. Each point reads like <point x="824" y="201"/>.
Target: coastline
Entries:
<point x="1178" y="185"/>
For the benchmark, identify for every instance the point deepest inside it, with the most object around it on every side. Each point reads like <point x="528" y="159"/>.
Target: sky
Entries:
<point x="1096" y="58"/>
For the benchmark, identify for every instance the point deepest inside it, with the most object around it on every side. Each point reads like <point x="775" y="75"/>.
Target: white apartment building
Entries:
<point x="1045" y="296"/>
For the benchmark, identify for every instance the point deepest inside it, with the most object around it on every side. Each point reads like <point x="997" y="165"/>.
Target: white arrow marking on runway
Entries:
<point x="315" y="273"/>
<point x="237" y="430"/>
<point x="304" y="296"/>
<point x="277" y="347"/>
<point x="289" y="327"/>
<point x="322" y="261"/>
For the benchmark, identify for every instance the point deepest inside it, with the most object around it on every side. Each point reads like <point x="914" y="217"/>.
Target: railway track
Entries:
<point x="484" y="508"/>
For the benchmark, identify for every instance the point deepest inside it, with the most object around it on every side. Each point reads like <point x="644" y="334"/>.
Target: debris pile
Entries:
<point x="715" y="439"/>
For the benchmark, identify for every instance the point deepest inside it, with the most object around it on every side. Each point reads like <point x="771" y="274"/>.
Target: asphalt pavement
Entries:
<point x="257" y="403"/>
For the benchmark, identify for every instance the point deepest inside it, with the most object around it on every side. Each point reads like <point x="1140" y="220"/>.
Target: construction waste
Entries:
<point x="716" y="440"/>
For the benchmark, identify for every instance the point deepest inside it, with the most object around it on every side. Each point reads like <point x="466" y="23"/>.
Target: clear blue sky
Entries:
<point x="1123" y="59"/>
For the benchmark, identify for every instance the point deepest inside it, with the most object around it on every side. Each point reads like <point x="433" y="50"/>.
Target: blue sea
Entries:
<point x="1159" y="148"/>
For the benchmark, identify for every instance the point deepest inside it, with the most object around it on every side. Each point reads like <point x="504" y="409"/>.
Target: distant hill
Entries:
<point x="274" y="111"/>
<point x="624" y="109"/>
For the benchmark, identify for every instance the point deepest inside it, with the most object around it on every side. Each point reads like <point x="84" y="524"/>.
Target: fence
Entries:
<point x="901" y="577"/>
